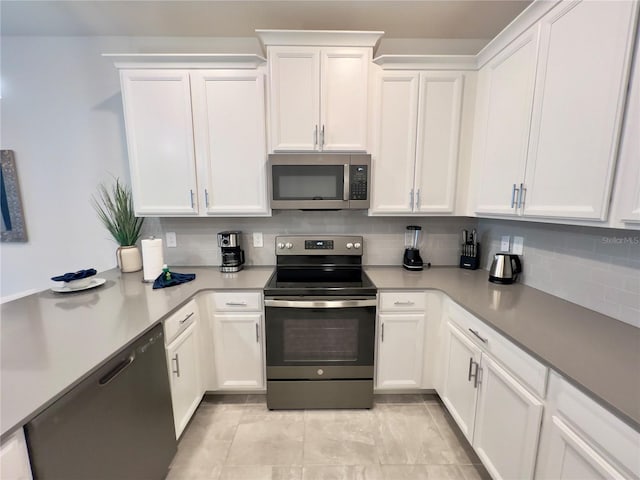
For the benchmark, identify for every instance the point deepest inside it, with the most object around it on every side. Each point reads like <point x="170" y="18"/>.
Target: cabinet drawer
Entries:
<point x="402" y="301"/>
<point x="179" y="321"/>
<point x="526" y="368"/>
<point x="237" y="301"/>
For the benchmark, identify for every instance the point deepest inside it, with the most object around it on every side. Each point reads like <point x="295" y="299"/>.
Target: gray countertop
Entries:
<point x="49" y="342"/>
<point x="598" y="354"/>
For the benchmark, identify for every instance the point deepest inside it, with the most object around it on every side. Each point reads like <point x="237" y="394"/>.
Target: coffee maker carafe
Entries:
<point x="232" y="254"/>
<point x="412" y="259"/>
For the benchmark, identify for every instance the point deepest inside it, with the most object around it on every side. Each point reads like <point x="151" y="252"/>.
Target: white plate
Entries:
<point x="95" y="282"/>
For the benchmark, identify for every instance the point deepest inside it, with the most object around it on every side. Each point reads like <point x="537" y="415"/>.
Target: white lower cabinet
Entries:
<point x="400" y="340"/>
<point x="14" y="458"/>
<point x="460" y="391"/>
<point x="238" y="340"/>
<point x="582" y="440"/>
<point x="184" y="363"/>
<point x="507" y="423"/>
<point x="496" y="413"/>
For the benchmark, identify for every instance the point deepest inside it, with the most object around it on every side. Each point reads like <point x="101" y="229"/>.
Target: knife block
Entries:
<point x="470" y="262"/>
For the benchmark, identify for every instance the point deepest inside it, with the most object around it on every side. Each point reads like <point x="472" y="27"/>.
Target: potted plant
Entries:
<point x="115" y="209"/>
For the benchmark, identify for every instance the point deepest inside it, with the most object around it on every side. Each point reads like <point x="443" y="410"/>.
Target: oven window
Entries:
<point x="308" y="182"/>
<point x="329" y="340"/>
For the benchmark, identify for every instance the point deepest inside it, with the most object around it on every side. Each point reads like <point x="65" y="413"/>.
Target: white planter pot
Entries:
<point x="129" y="259"/>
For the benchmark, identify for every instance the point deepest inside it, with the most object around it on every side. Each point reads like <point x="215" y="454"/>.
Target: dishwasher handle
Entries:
<point x="117" y="370"/>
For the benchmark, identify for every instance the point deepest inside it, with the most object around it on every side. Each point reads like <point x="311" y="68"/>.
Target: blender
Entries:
<point x="412" y="259"/>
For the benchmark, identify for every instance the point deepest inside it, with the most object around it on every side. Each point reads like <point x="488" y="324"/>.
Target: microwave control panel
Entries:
<point x="358" y="176"/>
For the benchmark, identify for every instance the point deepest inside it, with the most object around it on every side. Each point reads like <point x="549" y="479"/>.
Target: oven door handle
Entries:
<point x="320" y="303"/>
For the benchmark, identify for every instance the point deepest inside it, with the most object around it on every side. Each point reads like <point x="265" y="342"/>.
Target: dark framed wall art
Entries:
<point x="13" y="227"/>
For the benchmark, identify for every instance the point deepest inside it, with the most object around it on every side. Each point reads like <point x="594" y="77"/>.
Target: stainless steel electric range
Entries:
<point x="320" y="311"/>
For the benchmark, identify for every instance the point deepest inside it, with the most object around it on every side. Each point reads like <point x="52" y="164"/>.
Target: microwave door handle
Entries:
<point x="345" y="190"/>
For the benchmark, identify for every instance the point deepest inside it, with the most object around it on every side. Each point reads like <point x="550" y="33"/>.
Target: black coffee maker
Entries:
<point x="412" y="259"/>
<point x="232" y="254"/>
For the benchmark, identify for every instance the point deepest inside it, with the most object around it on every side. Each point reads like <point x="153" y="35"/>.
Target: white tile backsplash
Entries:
<point x="593" y="267"/>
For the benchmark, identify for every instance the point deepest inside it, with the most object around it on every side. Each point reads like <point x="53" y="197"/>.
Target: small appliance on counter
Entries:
<point x="412" y="259"/>
<point x="470" y="252"/>
<point x="505" y="268"/>
<point x="232" y="254"/>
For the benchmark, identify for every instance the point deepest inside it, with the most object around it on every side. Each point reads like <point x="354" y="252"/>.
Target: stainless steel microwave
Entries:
<point x="319" y="181"/>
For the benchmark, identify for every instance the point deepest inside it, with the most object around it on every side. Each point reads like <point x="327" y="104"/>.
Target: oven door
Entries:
<point x="303" y="336"/>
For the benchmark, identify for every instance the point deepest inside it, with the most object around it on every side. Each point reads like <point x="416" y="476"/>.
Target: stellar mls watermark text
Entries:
<point x="629" y="240"/>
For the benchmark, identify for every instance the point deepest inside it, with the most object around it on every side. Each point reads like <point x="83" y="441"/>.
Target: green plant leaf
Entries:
<point x="115" y="210"/>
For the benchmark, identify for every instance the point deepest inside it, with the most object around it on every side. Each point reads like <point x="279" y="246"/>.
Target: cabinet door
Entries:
<point x="344" y="94"/>
<point x="157" y="113"/>
<point x="394" y="148"/>
<point x="580" y="88"/>
<point x="570" y="457"/>
<point x="506" y="96"/>
<point x="400" y="350"/>
<point x="295" y="98"/>
<point x="14" y="458"/>
<point x="184" y="375"/>
<point x="507" y="424"/>
<point x="229" y="121"/>
<point x="461" y="363"/>
<point x="437" y="142"/>
<point x="238" y="351"/>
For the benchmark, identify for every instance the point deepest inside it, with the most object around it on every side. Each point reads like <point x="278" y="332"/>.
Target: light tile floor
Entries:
<point x="404" y="437"/>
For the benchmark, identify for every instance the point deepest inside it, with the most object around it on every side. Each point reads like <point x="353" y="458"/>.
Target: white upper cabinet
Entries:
<point x="626" y="197"/>
<point x="580" y="91"/>
<point x="505" y="97"/>
<point x="157" y="112"/>
<point x="416" y="129"/>
<point x="550" y="111"/>
<point x="229" y="119"/>
<point x="189" y="132"/>
<point x="319" y="98"/>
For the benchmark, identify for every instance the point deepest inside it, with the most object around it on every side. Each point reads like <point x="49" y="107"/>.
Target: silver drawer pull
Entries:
<point x="475" y="332"/>
<point x="408" y="302"/>
<point x="236" y="304"/>
<point x="186" y="318"/>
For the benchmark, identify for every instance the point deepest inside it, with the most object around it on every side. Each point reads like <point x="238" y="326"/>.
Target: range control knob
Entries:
<point x="356" y="245"/>
<point x="280" y="245"/>
<point x="320" y="371"/>
<point x="288" y="245"/>
<point x="349" y="246"/>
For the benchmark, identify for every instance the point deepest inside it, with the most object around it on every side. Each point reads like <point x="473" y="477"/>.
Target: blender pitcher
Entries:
<point x="412" y="259"/>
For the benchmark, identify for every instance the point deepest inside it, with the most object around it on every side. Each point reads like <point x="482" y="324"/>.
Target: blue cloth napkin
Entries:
<point x="173" y="279"/>
<point x="68" y="277"/>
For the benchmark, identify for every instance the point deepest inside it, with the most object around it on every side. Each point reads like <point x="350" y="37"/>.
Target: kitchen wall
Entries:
<point x="384" y="236"/>
<point x="594" y="267"/>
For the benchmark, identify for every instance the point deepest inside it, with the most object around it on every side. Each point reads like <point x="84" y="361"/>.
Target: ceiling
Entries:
<point x="459" y="19"/>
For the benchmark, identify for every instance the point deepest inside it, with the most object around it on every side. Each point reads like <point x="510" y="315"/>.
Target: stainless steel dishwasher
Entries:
<point x="116" y="424"/>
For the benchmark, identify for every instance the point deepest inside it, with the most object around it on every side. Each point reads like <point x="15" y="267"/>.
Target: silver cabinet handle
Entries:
<point x="475" y="374"/>
<point x="315" y="136"/>
<point x="320" y="303"/>
<point x="513" y="195"/>
<point x="475" y="332"/>
<point x="382" y="333"/>
<point x="186" y="318"/>
<point x="206" y="197"/>
<point x="236" y="304"/>
<point x="521" y="194"/>
<point x="345" y="188"/>
<point x="418" y="199"/>
<point x="192" y="202"/>
<point x="322" y="137"/>
<point x="411" y="199"/>
<point x="177" y="370"/>
<point x="408" y="302"/>
<point x="478" y="380"/>
<point x="257" y="333"/>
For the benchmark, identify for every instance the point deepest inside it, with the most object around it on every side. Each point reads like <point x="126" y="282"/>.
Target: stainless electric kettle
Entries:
<point x="505" y="268"/>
